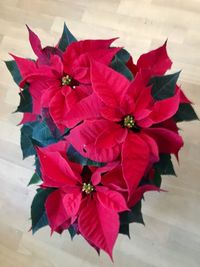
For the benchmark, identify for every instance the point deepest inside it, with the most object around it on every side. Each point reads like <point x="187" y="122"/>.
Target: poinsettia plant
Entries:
<point x="102" y="130"/>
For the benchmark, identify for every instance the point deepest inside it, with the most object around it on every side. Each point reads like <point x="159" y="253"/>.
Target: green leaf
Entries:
<point x="185" y="113"/>
<point x="123" y="55"/>
<point x="35" y="179"/>
<point x="165" y="165"/>
<point x="75" y="156"/>
<point x="26" y="140"/>
<point x="124" y="229"/>
<point x="35" y="133"/>
<point x="72" y="231"/>
<point x="134" y="215"/>
<point x="42" y="134"/>
<point x="157" y="180"/>
<point x="66" y="39"/>
<point x="118" y="65"/>
<point x="25" y="104"/>
<point x="164" y="86"/>
<point x="14" y="71"/>
<point x="37" y="166"/>
<point x="38" y="214"/>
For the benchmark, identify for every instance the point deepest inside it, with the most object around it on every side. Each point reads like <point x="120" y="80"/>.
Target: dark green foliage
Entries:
<point x="14" y="71"/>
<point x="185" y="113"/>
<point x="164" y="86"/>
<point x="38" y="215"/>
<point x="66" y="39"/>
<point x="134" y="215"/>
<point x="35" y="179"/>
<point x="124" y="229"/>
<point x="25" y="104"/>
<point x="27" y="146"/>
<point x="123" y="55"/>
<point x="72" y="231"/>
<point x="35" y="133"/>
<point x="165" y="166"/>
<point x="118" y="65"/>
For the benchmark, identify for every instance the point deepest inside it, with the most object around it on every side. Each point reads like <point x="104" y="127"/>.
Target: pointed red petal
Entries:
<point x="135" y="159"/>
<point x="153" y="147"/>
<point x="83" y="139"/>
<point x="58" y="109"/>
<point x="96" y="176"/>
<point x="108" y="84"/>
<point x="56" y="171"/>
<point x="26" y="66"/>
<point x="132" y="67"/>
<point x="112" y="134"/>
<point x="111" y="199"/>
<point x="157" y="61"/>
<point x="99" y="225"/>
<point x="28" y="117"/>
<point x="87" y="108"/>
<point x="114" y="180"/>
<point x="131" y="96"/>
<point x="72" y="202"/>
<point x="55" y="210"/>
<point x="165" y="109"/>
<point x="167" y="140"/>
<point x="35" y="42"/>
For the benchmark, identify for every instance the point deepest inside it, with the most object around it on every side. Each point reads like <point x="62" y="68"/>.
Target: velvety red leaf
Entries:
<point x="87" y="108"/>
<point x="55" y="210"/>
<point x="35" y="42"/>
<point x="135" y="159"/>
<point x="112" y="134"/>
<point x="153" y="147"/>
<point x="58" y="110"/>
<point x="114" y="179"/>
<point x="157" y="61"/>
<point x="56" y="171"/>
<point x="28" y="117"/>
<point x="165" y="109"/>
<point x="26" y="66"/>
<point x="168" y="141"/>
<point x="111" y="113"/>
<point x="83" y="139"/>
<point x="131" y="95"/>
<point x="72" y="202"/>
<point x="96" y="176"/>
<point x="111" y="199"/>
<point x="99" y="225"/>
<point x="108" y="84"/>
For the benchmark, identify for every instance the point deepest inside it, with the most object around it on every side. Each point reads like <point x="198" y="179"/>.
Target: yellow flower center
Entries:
<point x="87" y="188"/>
<point x="129" y="121"/>
<point x="66" y="80"/>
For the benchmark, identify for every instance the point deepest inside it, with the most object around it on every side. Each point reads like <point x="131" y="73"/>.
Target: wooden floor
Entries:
<point x="171" y="237"/>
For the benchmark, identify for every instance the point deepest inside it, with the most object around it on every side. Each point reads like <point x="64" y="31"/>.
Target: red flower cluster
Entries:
<point x="122" y="126"/>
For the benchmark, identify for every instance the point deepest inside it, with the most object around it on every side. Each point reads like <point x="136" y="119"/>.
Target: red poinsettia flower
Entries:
<point x="126" y="124"/>
<point x="58" y="81"/>
<point x="85" y="195"/>
<point x="154" y="63"/>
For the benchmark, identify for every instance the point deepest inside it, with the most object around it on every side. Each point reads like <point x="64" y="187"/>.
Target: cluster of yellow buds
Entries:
<point x="66" y="80"/>
<point x="87" y="188"/>
<point x="129" y="121"/>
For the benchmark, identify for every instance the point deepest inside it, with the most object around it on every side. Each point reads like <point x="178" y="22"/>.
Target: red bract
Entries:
<point x="58" y="81"/>
<point x="83" y="195"/>
<point x="154" y="63"/>
<point x="126" y="124"/>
